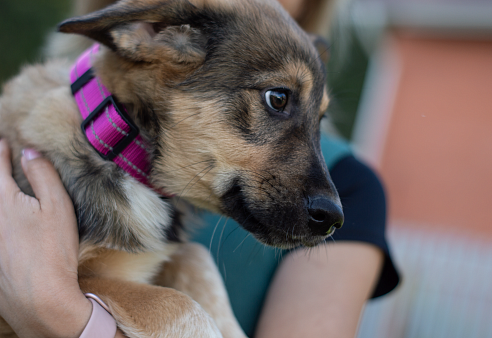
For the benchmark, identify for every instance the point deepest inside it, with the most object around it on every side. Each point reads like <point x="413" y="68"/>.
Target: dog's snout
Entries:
<point x="323" y="215"/>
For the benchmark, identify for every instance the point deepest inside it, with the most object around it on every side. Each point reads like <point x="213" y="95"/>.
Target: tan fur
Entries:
<point x="143" y="310"/>
<point x="190" y="266"/>
<point x="299" y="74"/>
<point x="324" y="104"/>
<point x="138" y="268"/>
<point x="201" y="150"/>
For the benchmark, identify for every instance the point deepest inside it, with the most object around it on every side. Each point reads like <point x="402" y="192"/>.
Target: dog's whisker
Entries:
<point x="228" y="235"/>
<point x="258" y="175"/>
<point x="247" y="218"/>
<point x="293" y="230"/>
<point x="173" y="126"/>
<point x="186" y="186"/>
<point x="193" y="164"/>
<point x="319" y="57"/>
<point x="241" y="242"/>
<point x="210" y="168"/>
<point x="213" y="234"/>
<point x="255" y="251"/>
<point x="264" y="179"/>
<point x="220" y="238"/>
<point x="277" y="180"/>
<point x="259" y="190"/>
<point x="225" y="271"/>
<point x="326" y="250"/>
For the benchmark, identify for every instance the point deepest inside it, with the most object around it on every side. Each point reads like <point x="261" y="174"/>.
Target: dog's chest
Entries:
<point x="115" y="264"/>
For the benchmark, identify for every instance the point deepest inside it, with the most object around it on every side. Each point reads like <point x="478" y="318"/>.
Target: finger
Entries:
<point x="5" y="162"/>
<point x="6" y="178"/>
<point x="43" y="177"/>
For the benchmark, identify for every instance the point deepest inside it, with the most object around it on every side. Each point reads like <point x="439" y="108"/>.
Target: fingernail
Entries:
<point x="30" y="154"/>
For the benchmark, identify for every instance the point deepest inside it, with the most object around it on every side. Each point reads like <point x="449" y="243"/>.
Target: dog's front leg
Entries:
<point x="143" y="310"/>
<point x="192" y="270"/>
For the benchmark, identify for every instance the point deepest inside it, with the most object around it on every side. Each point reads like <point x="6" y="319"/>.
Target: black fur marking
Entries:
<point x="272" y="227"/>
<point x="95" y="189"/>
<point x="240" y="117"/>
<point x="234" y="202"/>
<point x="172" y="232"/>
<point x="316" y="173"/>
<point x="148" y="119"/>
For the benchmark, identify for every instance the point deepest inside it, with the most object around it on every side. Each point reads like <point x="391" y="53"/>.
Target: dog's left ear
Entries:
<point x="147" y="31"/>
<point x="323" y="47"/>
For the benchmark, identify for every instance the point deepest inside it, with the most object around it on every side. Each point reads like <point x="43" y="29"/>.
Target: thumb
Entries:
<point x="43" y="177"/>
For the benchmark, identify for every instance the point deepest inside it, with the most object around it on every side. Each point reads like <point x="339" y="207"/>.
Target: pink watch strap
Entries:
<point x="101" y="324"/>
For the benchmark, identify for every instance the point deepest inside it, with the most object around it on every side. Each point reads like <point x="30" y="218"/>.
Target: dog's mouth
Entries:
<point x="285" y="240"/>
<point x="284" y="226"/>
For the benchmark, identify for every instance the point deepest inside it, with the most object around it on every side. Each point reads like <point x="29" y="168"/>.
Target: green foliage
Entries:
<point x="24" y="25"/>
<point x="346" y="73"/>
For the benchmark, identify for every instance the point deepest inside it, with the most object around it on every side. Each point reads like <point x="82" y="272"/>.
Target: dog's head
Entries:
<point x="231" y="94"/>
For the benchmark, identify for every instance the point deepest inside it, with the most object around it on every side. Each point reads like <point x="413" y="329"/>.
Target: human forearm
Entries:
<point x="62" y="315"/>
<point x="321" y="292"/>
<point x="58" y="316"/>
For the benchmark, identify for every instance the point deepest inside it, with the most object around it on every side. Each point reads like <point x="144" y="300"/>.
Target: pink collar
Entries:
<point x="106" y="123"/>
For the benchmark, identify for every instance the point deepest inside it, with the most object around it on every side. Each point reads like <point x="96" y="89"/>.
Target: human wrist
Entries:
<point x="64" y="314"/>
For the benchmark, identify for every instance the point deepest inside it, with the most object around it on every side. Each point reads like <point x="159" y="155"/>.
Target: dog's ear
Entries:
<point x="323" y="47"/>
<point x="145" y="30"/>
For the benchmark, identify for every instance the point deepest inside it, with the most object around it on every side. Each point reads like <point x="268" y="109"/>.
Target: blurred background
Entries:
<point x="24" y="25"/>
<point x="411" y="88"/>
<point x="424" y="121"/>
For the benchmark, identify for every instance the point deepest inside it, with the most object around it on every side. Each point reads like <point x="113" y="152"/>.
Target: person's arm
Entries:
<point x="320" y="292"/>
<point x="39" y="291"/>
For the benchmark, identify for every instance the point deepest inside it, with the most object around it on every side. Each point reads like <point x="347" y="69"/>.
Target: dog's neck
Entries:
<point x="115" y="210"/>
<point x="107" y="126"/>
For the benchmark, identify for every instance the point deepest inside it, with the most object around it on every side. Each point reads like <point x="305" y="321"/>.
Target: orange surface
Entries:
<point x="437" y="160"/>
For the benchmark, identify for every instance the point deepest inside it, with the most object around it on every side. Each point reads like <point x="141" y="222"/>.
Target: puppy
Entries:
<point x="227" y="98"/>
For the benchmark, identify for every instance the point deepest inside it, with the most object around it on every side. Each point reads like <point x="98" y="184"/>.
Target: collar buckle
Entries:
<point x="123" y="143"/>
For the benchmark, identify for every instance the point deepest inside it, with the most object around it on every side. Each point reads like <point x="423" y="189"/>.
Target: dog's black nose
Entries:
<point x="323" y="214"/>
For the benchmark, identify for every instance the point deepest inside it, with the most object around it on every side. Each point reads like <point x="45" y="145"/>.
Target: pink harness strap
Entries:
<point x="106" y="124"/>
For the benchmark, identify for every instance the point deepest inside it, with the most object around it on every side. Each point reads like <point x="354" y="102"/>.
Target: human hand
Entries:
<point x="39" y="291"/>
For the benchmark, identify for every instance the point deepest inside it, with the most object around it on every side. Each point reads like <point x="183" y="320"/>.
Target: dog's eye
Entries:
<point x="276" y="99"/>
